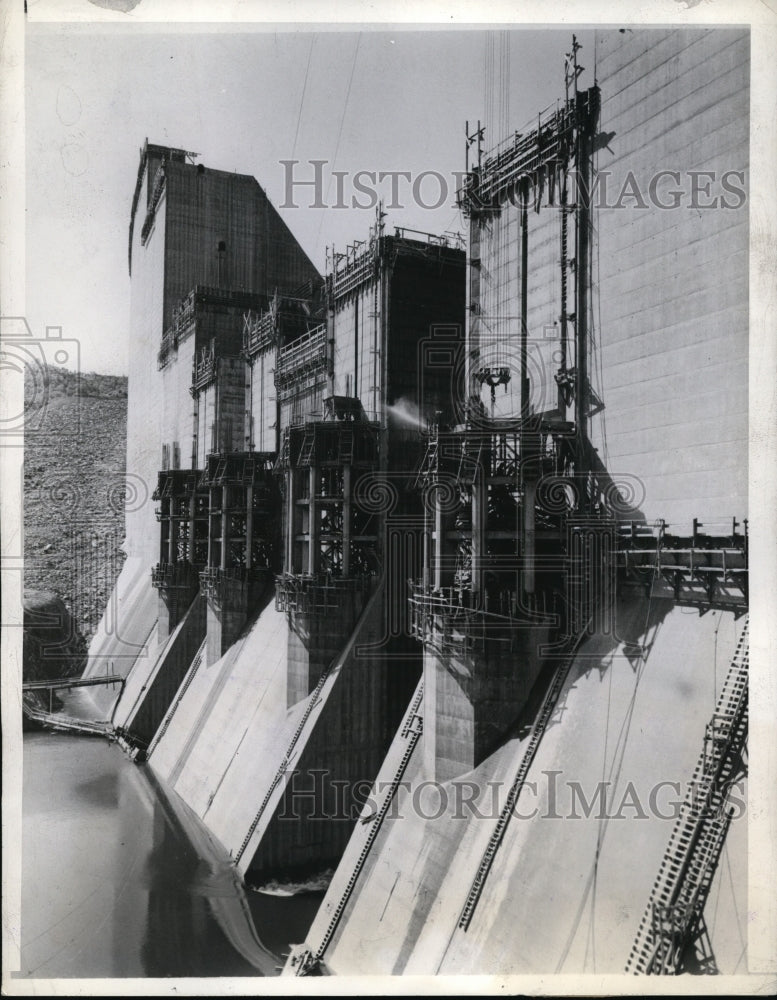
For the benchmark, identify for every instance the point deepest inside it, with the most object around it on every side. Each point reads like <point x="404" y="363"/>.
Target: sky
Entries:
<point x="246" y="99"/>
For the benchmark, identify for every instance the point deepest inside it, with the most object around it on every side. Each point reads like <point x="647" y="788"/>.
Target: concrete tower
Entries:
<point x="205" y="246"/>
<point x="193" y="232"/>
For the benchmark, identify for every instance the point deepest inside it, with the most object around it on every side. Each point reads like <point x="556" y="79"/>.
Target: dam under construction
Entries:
<point x="437" y="562"/>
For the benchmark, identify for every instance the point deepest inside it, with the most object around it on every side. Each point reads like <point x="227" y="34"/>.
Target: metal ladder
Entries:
<point x="429" y="463"/>
<point x="196" y="663"/>
<point x="345" y="444"/>
<point x="676" y="903"/>
<point x="469" y="460"/>
<point x="221" y="470"/>
<point x="308" y="445"/>
<point x="412" y="735"/>
<point x="495" y="840"/>
<point x="412" y="712"/>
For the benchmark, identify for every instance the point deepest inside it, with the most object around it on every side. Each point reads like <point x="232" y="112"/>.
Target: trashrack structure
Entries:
<point x="445" y="571"/>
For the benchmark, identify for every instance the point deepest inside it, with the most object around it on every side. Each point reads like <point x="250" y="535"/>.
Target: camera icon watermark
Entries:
<point x="28" y="366"/>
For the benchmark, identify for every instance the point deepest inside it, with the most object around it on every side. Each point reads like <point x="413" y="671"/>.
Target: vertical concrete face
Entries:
<point x="229" y="603"/>
<point x="173" y="605"/>
<point x="189" y="226"/>
<point x="142" y="709"/>
<point x="666" y="372"/>
<point x="382" y="330"/>
<point x="495" y="284"/>
<point x="232" y="404"/>
<point x="262" y="427"/>
<point x="177" y="430"/>
<point x="144" y="386"/>
<point x="315" y="641"/>
<point x="672" y="265"/>
<point x="223" y="232"/>
<point x="473" y="699"/>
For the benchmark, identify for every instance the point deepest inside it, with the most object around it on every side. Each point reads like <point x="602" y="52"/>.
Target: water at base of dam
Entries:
<point x="114" y="886"/>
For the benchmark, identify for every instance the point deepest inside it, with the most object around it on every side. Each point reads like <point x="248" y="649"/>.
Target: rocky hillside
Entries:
<point x="74" y="461"/>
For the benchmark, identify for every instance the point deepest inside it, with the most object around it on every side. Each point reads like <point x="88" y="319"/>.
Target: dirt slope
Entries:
<point x="74" y="463"/>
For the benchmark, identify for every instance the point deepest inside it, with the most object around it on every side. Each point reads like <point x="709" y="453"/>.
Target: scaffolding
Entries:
<point x="205" y="367"/>
<point x="697" y="568"/>
<point x="673" y="918"/>
<point x="238" y="469"/>
<point x="260" y="332"/>
<point x="331" y="535"/>
<point x="189" y="310"/>
<point x="301" y="360"/>
<point x="356" y="267"/>
<point x="329" y="442"/>
<point x="214" y="580"/>
<point x="493" y="557"/>
<point x="538" y="154"/>
<point x="167" y="576"/>
<point x="243" y="519"/>
<point x="445" y="619"/>
<point x="287" y="318"/>
<point x="183" y="518"/>
<point x="316" y="595"/>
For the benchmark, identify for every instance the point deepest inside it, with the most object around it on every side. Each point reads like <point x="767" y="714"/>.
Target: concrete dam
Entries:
<point x="437" y="565"/>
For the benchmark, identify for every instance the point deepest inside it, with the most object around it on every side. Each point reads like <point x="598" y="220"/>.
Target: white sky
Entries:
<point x="236" y="97"/>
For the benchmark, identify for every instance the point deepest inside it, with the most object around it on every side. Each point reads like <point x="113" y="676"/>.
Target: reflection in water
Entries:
<point x="119" y="880"/>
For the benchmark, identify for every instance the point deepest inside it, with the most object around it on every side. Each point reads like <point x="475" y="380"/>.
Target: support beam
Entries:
<point x="346" y="568"/>
<point x="529" y="500"/>
<point x="524" y="304"/>
<point x="291" y="525"/>
<point x="224" y="527"/>
<point x="312" y="522"/>
<point x="479" y="515"/>
<point x="582" y="234"/>
<point x="249" y="525"/>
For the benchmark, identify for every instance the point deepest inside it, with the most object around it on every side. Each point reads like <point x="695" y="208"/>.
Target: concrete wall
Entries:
<point x="206" y="424"/>
<point x="262" y="417"/>
<point x="199" y="208"/>
<point x="379" y="329"/>
<point x="221" y="410"/>
<point x="208" y="207"/>
<point x="425" y="303"/>
<point x="355" y="327"/>
<point x="144" y="387"/>
<point x="127" y="633"/>
<point x="496" y="328"/>
<point x="178" y="406"/>
<point x="668" y="357"/>
<point x="309" y="820"/>
<point x="307" y="403"/>
<point x="472" y="699"/>
<point x="149" y="692"/>
<point x="671" y="304"/>
<point x="314" y="643"/>
<point x="555" y="880"/>
<point x="223" y="746"/>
